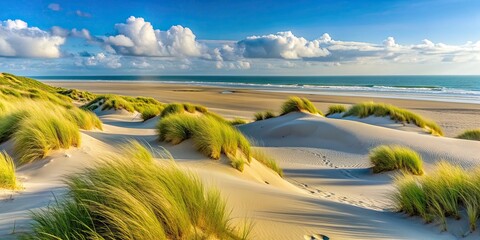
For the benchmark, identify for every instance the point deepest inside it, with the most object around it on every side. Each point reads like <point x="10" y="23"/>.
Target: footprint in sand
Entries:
<point x="315" y="237"/>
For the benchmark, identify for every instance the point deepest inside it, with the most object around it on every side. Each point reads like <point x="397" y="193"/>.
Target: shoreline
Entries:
<point x="453" y="117"/>
<point x="391" y="92"/>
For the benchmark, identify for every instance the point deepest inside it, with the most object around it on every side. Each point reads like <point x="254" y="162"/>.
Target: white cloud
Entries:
<point x="101" y="60"/>
<point x="138" y="38"/>
<point x="83" y="14"/>
<point x="281" y="45"/>
<point x="19" y="40"/>
<point x="54" y="7"/>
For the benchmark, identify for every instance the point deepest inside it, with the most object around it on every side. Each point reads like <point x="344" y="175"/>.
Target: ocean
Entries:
<point x="439" y="88"/>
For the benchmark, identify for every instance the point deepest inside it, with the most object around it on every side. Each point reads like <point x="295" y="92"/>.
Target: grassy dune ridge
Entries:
<point x="212" y="136"/>
<point x="133" y="197"/>
<point x="445" y="192"/>
<point x="297" y="104"/>
<point x="367" y="109"/>
<point x="35" y="131"/>
<point x="388" y="158"/>
<point x="147" y="107"/>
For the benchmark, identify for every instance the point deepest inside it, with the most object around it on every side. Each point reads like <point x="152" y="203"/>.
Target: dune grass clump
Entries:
<point x="237" y="121"/>
<point x="443" y="193"/>
<point x="174" y="108"/>
<point x="77" y="95"/>
<point x="264" y="115"/>
<point x="177" y="127"/>
<point x="470" y="135"/>
<point x="397" y="114"/>
<point x="132" y="197"/>
<point x="39" y="127"/>
<point x="297" y="104"/>
<point x="267" y="160"/>
<point x="147" y="107"/>
<point x="237" y="163"/>
<point x="388" y="158"/>
<point x="336" y="109"/>
<point x="8" y="178"/>
<point x="36" y="136"/>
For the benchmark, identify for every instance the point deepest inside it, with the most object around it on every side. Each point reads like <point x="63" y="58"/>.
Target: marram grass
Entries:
<point x="37" y="127"/>
<point x="442" y="193"/>
<point x="264" y="115"/>
<point x="388" y="158"/>
<point x="8" y="178"/>
<point x="133" y="197"/>
<point x="397" y="114"/>
<point x="336" y="109"/>
<point x="213" y="137"/>
<point x="267" y="160"/>
<point x="470" y="135"/>
<point x="297" y="104"/>
<point x="176" y="108"/>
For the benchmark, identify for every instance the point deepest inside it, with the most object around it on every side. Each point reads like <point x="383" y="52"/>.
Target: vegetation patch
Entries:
<point x="175" y="108"/>
<point x="132" y="197"/>
<point x="147" y="107"/>
<point x="397" y="114"/>
<point x="297" y="104"/>
<point x="8" y="178"/>
<point x="388" y="158"/>
<point x="443" y="193"/>
<point x="470" y="135"/>
<point x="336" y="109"/>
<point x="264" y="115"/>
<point x="237" y="121"/>
<point x="267" y="160"/>
<point x="36" y="127"/>
<point x="211" y="136"/>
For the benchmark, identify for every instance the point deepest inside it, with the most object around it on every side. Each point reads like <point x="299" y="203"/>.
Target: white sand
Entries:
<point x="328" y="188"/>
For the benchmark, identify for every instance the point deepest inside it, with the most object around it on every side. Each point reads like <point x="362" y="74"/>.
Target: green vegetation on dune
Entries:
<point x="174" y="108"/>
<point x="8" y="178"/>
<point x="267" y="160"/>
<point x="367" y="109"/>
<point x="132" y="197"/>
<point x="264" y="115"/>
<point x="442" y="193"/>
<point x="36" y="127"/>
<point x="470" y="135"/>
<point x="388" y="158"/>
<point x="212" y="136"/>
<point x="297" y="104"/>
<point x="334" y="109"/>
<point x="147" y="107"/>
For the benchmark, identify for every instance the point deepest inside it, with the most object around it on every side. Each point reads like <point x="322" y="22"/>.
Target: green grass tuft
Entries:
<point x="470" y="135"/>
<point x="333" y="109"/>
<point x="264" y="115"/>
<point x="366" y="109"/>
<point x="8" y="178"/>
<point x="36" y="136"/>
<point x="267" y="160"/>
<point x="237" y="121"/>
<point x="388" y="158"/>
<point x="297" y="104"/>
<point x="129" y="197"/>
<point x="441" y="194"/>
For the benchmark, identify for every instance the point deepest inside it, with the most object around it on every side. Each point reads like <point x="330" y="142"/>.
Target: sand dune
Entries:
<point x="328" y="189"/>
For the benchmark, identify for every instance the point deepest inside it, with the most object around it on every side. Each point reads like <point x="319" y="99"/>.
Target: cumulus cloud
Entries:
<point x="137" y="37"/>
<point x="281" y="45"/>
<point x="17" y="39"/>
<point x="101" y="60"/>
<point x="54" y="7"/>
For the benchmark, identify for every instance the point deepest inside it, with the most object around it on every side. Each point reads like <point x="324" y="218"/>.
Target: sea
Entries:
<point x="464" y="89"/>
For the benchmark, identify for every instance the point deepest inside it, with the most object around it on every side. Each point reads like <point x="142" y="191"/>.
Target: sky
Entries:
<point x="282" y="37"/>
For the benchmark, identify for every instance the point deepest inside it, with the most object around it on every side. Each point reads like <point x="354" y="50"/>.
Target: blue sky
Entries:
<point x="240" y="37"/>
